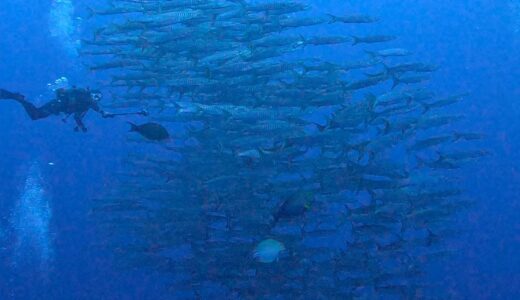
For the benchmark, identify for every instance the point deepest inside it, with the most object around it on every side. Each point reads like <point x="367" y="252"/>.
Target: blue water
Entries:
<point x="50" y="173"/>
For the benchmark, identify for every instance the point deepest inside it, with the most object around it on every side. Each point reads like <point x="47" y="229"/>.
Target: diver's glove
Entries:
<point x="104" y="114"/>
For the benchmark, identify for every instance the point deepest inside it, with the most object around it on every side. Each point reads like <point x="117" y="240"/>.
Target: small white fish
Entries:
<point x="51" y="164"/>
<point x="268" y="251"/>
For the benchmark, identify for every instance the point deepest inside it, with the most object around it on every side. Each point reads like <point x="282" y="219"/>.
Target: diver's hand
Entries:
<point x="107" y="115"/>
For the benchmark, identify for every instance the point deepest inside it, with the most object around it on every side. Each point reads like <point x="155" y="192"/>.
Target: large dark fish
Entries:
<point x="294" y="206"/>
<point x="151" y="131"/>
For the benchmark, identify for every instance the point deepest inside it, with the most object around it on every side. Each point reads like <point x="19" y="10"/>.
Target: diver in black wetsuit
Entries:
<point x="72" y="101"/>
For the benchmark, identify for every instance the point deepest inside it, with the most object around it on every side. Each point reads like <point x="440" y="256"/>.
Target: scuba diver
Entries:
<point x="74" y="101"/>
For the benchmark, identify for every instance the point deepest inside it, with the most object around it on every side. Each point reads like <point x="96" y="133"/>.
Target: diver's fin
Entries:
<point x="5" y="94"/>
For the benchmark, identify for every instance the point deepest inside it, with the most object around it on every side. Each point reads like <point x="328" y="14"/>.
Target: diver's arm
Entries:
<point x="95" y="107"/>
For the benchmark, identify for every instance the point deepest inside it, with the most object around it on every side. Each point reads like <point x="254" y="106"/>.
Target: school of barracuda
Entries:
<point x="290" y="177"/>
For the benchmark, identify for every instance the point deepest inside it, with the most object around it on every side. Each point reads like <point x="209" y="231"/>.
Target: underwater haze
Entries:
<point x="277" y="149"/>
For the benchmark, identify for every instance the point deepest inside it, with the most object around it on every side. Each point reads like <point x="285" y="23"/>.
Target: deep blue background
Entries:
<point x="473" y="40"/>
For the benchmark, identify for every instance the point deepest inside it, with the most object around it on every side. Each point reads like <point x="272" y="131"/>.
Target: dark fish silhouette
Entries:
<point x="294" y="206"/>
<point x="151" y="131"/>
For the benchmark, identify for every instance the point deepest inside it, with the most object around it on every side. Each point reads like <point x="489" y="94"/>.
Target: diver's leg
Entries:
<point x="78" y="117"/>
<point x="36" y="113"/>
<point x="33" y="112"/>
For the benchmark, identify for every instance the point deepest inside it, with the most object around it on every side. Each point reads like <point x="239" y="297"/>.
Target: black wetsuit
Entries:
<point x="73" y="101"/>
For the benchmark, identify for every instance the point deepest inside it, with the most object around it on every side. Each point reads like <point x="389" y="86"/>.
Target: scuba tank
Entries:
<point x="74" y="100"/>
